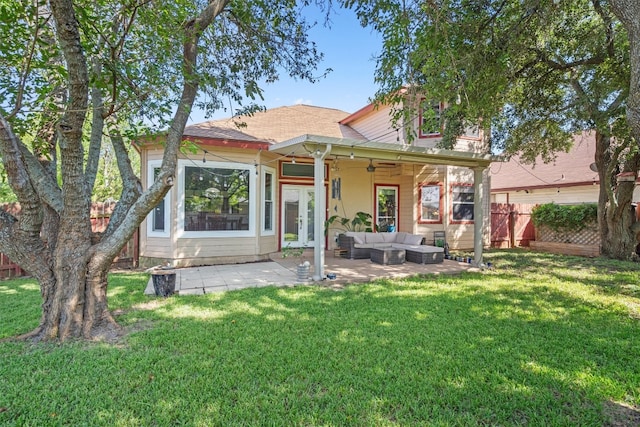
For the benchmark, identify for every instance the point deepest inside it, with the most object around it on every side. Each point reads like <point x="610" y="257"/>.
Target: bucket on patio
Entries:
<point x="164" y="282"/>
<point x="303" y="271"/>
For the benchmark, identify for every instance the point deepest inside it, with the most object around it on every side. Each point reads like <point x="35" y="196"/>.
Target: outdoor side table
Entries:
<point x="387" y="256"/>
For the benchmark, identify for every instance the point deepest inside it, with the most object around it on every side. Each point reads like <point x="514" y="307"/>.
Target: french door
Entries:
<point x="298" y="208"/>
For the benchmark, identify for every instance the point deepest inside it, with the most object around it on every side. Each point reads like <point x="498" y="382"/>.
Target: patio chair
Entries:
<point x="440" y="240"/>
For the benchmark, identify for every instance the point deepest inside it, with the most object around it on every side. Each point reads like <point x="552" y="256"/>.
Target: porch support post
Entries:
<point x="320" y="213"/>
<point x="478" y="215"/>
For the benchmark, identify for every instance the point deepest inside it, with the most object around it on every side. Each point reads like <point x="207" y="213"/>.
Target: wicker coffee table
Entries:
<point x="387" y="256"/>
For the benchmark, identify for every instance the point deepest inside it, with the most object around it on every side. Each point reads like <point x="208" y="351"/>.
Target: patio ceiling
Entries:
<point x="307" y="145"/>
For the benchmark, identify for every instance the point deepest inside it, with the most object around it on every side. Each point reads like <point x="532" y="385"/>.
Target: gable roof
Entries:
<point x="568" y="169"/>
<point x="276" y="125"/>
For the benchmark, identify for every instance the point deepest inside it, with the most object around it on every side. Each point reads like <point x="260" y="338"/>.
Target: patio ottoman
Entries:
<point x="387" y="256"/>
<point x="426" y="255"/>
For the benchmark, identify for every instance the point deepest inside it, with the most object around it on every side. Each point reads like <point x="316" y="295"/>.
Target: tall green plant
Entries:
<point x="362" y="221"/>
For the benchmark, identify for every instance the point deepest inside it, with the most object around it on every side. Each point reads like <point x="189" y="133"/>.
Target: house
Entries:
<point x="252" y="185"/>
<point x="570" y="179"/>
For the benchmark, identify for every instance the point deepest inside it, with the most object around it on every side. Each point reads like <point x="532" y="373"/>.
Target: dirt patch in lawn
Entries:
<point x="621" y="414"/>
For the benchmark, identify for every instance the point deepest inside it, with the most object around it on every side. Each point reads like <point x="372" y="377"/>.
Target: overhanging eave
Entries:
<point x="306" y="145"/>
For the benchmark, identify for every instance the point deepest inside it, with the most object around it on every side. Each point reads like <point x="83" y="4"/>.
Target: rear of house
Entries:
<point x="247" y="187"/>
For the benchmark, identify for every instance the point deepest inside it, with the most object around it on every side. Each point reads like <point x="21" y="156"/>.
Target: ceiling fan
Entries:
<point x="371" y="168"/>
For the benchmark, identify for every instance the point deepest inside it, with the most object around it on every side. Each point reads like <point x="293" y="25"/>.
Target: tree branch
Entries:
<point x="109" y="247"/>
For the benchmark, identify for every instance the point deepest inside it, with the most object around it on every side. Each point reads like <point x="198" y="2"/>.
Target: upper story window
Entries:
<point x="430" y="119"/>
<point x="471" y="131"/>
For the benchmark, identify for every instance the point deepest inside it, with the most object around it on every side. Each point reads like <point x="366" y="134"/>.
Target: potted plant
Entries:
<point x="303" y="268"/>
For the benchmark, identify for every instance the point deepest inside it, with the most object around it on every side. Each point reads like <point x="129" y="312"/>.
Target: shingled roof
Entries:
<point x="276" y="125"/>
<point x="568" y="169"/>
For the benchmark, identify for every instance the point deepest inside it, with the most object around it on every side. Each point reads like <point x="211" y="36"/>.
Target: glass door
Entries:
<point x="387" y="208"/>
<point x="298" y="208"/>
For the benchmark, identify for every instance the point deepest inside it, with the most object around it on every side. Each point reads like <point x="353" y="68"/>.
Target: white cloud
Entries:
<point x="302" y="101"/>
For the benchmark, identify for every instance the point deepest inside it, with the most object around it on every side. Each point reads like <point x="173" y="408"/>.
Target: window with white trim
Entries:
<point x="462" y="201"/>
<point x="268" y="201"/>
<point x="430" y="203"/>
<point x="158" y="218"/>
<point x="217" y="199"/>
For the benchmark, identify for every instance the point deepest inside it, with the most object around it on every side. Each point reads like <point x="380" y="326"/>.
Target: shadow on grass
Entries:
<point x="474" y="349"/>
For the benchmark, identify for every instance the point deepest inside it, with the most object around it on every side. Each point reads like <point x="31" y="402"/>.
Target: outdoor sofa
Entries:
<point x="358" y="245"/>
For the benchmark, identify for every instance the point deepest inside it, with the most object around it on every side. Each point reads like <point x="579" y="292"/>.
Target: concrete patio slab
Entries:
<point x="282" y="272"/>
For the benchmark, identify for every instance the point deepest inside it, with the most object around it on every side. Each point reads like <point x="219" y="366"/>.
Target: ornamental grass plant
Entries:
<point x="537" y="340"/>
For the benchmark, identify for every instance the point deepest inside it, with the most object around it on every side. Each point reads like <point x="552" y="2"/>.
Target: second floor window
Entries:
<point x="430" y="116"/>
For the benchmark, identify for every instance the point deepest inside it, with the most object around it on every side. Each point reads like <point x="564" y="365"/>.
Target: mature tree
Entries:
<point x="534" y="71"/>
<point x="72" y="71"/>
<point x="628" y="11"/>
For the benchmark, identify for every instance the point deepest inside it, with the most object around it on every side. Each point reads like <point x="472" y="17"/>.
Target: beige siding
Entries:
<point x="212" y="250"/>
<point x="356" y="192"/>
<point x="376" y="126"/>
<point x="460" y="236"/>
<point x="407" y="205"/>
<point x="156" y="247"/>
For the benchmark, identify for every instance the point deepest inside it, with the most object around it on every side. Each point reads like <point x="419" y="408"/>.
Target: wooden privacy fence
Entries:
<point x="511" y="225"/>
<point x="100" y="214"/>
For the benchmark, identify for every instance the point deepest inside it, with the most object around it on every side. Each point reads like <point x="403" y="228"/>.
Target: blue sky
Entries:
<point x="349" y="50"/>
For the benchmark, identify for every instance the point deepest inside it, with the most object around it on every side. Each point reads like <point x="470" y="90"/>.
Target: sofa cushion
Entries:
<point x="388" y="237"/>
<point x="412" y="239"/>
<point x="400" y="236"/>
<point x="363" y="245"/>
<point x="358" y="236"/>
<point x="382" y="245"/>
<point x="374" y="238"/>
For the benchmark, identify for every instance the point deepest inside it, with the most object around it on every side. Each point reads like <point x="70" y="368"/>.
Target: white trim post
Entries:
<point x="478" y="215"/>
<point x="320" y="213"/>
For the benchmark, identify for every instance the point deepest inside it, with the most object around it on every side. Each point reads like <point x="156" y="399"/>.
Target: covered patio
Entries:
<point x="282" y="272"/>
<point x="322" y="148"/>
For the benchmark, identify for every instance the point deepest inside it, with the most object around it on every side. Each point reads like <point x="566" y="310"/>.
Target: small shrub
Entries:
<point x="564" y="218"/>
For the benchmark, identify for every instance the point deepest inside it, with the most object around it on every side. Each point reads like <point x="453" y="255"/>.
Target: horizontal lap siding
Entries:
<point x="377" y="127"/>
<point x="216" y="247"/>
<point x="157" y="247"/>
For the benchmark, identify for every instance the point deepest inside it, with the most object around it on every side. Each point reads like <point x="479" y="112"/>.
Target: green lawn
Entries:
<point x="539" y="340"/>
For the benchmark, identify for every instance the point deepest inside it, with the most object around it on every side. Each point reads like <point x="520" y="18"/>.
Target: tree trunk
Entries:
<point x="52" y="238"/>
<point x="616" y="218"/>
<point x="628" y="11"/>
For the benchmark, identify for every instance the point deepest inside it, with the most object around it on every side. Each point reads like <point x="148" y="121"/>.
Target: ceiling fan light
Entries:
<point x="371" y="168"/>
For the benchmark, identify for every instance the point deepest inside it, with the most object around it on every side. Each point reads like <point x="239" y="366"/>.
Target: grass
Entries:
<point x="538" y="340"/>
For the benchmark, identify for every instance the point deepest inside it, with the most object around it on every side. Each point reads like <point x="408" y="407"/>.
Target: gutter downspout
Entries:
<point x="320" y="212"/>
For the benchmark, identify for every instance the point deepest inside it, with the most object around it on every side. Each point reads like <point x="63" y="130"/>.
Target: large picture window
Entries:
<point x="430" y="208"/>
<point x="462" y="199"/>
<point x="216" y="198"/>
